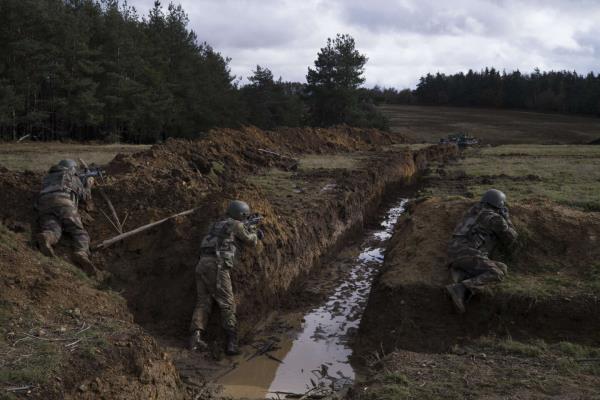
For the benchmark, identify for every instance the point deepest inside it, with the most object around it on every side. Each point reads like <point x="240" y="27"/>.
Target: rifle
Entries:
<point x="253" y="220"/>
<point x="91" y="172"/>
<point x="252" y="223"/>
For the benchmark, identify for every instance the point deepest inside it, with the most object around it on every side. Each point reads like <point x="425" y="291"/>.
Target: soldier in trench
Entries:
<point x="213" y="280"/>
<point x="485" y="226"/>
<point x="57" y="204"/>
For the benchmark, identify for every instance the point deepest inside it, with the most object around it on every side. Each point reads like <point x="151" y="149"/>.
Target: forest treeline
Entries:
<point x="95" y="69"/>
<point x="554" y="91"/>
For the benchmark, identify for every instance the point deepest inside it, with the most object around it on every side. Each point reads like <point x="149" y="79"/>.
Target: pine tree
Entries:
<point x="333" y="83"/>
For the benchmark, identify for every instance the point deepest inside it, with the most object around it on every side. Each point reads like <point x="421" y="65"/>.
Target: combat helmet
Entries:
<point x="68" y="163"/>
<point x="494" y="198"/>
<point x="63" y="165"/>
<point x="238" y="210"/>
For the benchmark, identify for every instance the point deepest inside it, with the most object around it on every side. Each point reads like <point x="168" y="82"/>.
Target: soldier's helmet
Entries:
<point x="68" y="164"/>
<point x="494" y="198"/>
<point x="238" y="210"/>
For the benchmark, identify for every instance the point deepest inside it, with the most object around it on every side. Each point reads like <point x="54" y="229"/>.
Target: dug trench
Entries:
<point x="534" y="335"/>
<point x="311" y="208"/>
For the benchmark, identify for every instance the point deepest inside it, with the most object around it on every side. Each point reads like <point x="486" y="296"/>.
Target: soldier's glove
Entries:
<point x="90" y="182"/>
<point x="260" y="234"/>
<point x="504" y="213"/>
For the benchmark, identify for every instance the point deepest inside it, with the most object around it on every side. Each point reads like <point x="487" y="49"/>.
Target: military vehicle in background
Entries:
<point x="462" y="140"/>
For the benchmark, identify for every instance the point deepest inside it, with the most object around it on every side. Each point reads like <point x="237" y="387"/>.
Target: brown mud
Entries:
<point x="314" y="212"/>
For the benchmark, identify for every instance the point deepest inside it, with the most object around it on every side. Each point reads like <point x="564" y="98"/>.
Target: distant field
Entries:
<point x="567" y="174"/>
<point x="40" y="156"/>
<point x="494" y="127"/>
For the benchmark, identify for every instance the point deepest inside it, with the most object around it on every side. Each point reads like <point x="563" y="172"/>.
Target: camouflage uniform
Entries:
<point x="57" y="208"/>
<point x="213" y="279"/>
<point x="475" y="237"/>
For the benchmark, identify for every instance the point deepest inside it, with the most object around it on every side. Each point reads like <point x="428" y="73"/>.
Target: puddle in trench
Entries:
<point x="317" y="358"/>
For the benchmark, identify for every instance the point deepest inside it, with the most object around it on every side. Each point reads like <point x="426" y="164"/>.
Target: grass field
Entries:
<point x="40" y="156"/>
<point x="568" y="175"/>
<point x="429" y="124"/>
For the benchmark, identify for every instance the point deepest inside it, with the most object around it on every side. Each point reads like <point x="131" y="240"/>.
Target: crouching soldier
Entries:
<point x="57" y="211"/>
<point x="213" y="279"/>
<point x="484" y="226"/>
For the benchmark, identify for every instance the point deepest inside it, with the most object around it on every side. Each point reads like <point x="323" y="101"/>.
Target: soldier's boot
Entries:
<point x="457" y="276"/>
<point x="231" y="347"/>
<point x="43" y="244"/>
<point x="82" y="259"/>
<point x="197" y="343"/>
<point x="457" y="293"/>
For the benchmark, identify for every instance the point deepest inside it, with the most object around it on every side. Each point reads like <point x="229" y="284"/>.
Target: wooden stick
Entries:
<point x="112" y="210"/>
<point x="124" y="219"/>
<point x="19" y="389"/>
<point x="117" y="223"/>
<point x="111" y="222"/>
<point x="108" y="242"/>
<point x="275" y="154"/>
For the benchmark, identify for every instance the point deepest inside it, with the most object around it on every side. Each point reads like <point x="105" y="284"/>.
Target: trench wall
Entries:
<point x="157" y="269"/>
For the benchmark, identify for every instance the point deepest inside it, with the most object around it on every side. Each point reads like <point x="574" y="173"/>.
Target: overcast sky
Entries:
<point x="403" y="39"/>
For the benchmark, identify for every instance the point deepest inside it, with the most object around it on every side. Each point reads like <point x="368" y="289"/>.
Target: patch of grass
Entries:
<point x="390" y="392"/>
<point x="534" y="349"/>
<point x="329" y="161"/>
<point x="568" y="175"/>
<point x="36" y="365"/>
<point x="410" y="146"/>
<point x="40" y="156"/>
<point x="395" y="378"/>
<point x="217" y="167"/>
<point x="275" y="181"/>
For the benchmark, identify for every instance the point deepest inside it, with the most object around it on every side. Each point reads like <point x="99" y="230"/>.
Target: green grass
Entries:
<point x="488" y="367"/>
<point x="568" y="175"/>
<point x="40" y="156"/>
<point x="275" y="181"/>
<point x="36" y="367"/>
<point x="346" y="161"/>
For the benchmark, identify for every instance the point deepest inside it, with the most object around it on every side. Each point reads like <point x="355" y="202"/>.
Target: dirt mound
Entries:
<point x="62" y="338"/>
<point x="552" y="287"/>
<point x="154" y="271"/>
<point x="159" y="265"/>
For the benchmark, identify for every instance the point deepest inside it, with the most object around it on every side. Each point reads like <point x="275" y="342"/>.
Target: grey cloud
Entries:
<point x="425" y="17"/>
<point x="403" y="39"/>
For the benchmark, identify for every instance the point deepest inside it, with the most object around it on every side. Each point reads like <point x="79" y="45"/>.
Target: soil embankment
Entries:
<point x="308" y="211"/>
<point x="551" y="291"/>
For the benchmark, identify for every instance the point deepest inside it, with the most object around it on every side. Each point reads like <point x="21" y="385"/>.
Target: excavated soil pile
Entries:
<point x="62" y="338"/>
<point x="552" y="291"/>
<point x="154" y="271"/>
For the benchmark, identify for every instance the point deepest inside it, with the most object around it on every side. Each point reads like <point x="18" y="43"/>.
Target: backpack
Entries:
<point x="219" y="238"/>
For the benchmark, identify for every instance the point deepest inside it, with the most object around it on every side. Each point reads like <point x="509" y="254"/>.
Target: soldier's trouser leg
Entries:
<point x="71" y="223"/>
<point x="224" y="298"/>
<point x="50" y="227"/>
<point x="478" y="272"/>
<point x="204" y="298"/>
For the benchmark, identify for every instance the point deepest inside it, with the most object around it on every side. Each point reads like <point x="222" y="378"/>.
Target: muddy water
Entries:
<point x="316" y="357"/>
